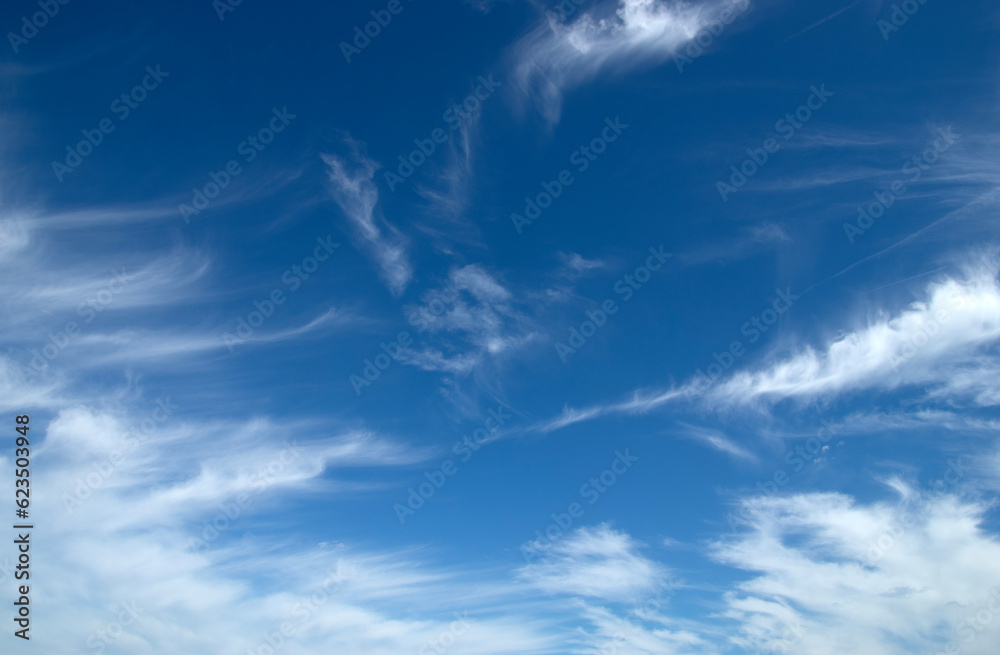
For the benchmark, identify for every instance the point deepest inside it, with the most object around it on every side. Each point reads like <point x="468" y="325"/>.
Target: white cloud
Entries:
<point x="479" y="283"/>
<point x="644" y="633"/>
<point x="168" y="346"/>
<point x="473" y="318"/>
<point x="184" y="481"/>
<point x="718" y="441"/>
<point x="132" y="282"/>
<point x="450" y="197"/>
<point x="641" y="402"/>
<point x="932" y="343"/>
<point x="19" y="392"/>
<point x="575" y="265"/>
<point x="944" y="347"/>
<point x="353" y="188"/>
<point x="832" y="576"/>
<point x="623" y="595"/>
<point x="810" y="556"/>
<point x="557" y="56"/>
<point x="15" y="236"/>
<point x="594" y="562"/>
<point x="767" y="232"/>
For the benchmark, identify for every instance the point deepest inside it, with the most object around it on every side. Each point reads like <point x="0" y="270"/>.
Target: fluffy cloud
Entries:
<point x="597" y="563"/>
<point x="834" y="576"/>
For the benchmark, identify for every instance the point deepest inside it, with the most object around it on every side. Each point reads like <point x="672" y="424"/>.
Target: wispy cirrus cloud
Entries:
<point x="352" y="185"/>
<point x="640" y="402"/>
<point x="575" y="264"/>
<point x="717" y="440"/>
<point x="481" y="320"/>
<point x="449" y="194"/>
<point x="557" y="56"/>
<point x="930" y="343"/>
<point x="136" y="281"/>
<point x="168" y="348"/>
<point x="941" y="346"/>
<point x="189" y="498"/>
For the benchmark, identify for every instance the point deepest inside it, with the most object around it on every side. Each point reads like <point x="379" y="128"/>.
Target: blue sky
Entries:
<point x="626" y="326"/>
